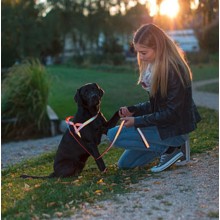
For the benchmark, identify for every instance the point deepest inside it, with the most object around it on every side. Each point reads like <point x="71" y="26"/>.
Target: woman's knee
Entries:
<point x="126" y="161"/>
<point x="122" y="164"/>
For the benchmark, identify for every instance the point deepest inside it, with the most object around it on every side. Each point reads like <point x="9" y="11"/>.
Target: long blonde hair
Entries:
<point x="168" y="55"/>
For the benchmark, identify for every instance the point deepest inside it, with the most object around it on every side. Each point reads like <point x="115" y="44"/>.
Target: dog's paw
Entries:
<point x="105" y="170"/>
<point x="24" y="176"/>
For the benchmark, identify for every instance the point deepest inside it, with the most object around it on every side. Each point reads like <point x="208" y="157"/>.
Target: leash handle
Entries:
<point x="143" y="138"/>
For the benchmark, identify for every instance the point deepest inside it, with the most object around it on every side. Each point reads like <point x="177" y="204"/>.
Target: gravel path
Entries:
<point x="15" y="152"/>
<point x="190" y="192"/>
<point x="183" y="193"/>
<point x="205" y="99"/>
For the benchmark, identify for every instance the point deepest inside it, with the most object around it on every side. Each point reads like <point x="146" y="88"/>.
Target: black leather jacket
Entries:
<point x="174" y="115"/>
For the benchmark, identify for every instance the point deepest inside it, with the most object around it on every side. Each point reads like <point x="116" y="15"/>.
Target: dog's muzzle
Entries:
<point x="93" y="100"/>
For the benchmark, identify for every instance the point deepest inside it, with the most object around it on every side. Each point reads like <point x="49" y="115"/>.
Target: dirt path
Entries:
<point x="185" y="193"/>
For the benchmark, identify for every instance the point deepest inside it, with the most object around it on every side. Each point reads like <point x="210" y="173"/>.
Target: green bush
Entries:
<point x="78" y="60"/>
<point x="117" y="58"/>
<point x="94" y="58"/>
<point x="25" y="93"/>
<point x="198" y="57"/>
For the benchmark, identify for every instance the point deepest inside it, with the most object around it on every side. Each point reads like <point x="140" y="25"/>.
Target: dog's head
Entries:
<point x="89" y="96"/>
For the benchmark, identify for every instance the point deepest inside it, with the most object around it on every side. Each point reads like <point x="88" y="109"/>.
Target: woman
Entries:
<point x="169" y="115"/>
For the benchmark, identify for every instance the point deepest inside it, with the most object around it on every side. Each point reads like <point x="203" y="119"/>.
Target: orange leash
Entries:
<point x="79" y="126"/>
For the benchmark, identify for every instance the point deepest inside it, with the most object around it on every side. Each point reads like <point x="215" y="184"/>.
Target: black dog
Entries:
<point x="71" y="158"/>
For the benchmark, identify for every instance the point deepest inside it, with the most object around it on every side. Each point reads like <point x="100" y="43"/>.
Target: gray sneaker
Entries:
<point x="166" y="160"/>
<point x="185" y="148"/>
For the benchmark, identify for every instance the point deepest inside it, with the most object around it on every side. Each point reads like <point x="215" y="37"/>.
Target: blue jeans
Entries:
<point x="136" y="154"/>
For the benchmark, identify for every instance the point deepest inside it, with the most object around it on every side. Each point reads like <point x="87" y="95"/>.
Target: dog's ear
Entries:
<point x="77" y="97"/>
<point x="101" y="91"/>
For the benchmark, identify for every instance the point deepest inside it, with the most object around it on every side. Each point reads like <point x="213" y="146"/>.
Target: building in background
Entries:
<point x="186" y="39"/>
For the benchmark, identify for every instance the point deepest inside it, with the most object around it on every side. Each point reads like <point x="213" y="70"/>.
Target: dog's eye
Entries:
<point x="84" y="92"/>
<point x="87" y="92"/>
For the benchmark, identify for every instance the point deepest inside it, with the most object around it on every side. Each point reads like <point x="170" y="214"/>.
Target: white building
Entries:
<point x="186" y="39"/>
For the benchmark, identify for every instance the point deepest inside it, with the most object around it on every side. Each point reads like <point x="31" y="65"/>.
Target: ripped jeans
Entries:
<point x="136" y="154"/>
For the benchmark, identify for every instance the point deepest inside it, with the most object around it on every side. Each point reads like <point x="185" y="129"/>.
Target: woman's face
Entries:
<point x="145" y="54"/>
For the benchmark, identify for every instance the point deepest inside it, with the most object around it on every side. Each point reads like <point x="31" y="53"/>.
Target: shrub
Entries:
<point x="116" y="58"/>
<point x="198" y="57"/>
<point x="25" y="93"/>
<point x="78" y="59"/>
<point x="96" y="59"/>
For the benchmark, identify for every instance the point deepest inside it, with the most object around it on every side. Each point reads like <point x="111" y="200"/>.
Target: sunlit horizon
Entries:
<point x="168" y="8"/>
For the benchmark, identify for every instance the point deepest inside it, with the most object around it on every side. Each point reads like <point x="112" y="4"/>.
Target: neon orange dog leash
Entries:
<point x="78" y="126"/>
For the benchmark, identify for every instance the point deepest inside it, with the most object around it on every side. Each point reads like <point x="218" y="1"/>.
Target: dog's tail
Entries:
<point x="24" y="176"/>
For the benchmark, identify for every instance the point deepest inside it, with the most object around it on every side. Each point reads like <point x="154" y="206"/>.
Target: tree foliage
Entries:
<point x="38" y="30"/>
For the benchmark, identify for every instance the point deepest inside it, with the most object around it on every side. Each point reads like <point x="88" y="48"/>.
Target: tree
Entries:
<point x="209" y="10"/>
<point x="9" y="37"/>
<point x="21" y="35"/>
<point x="30" y="29"/>
<point x="208" y="28"/>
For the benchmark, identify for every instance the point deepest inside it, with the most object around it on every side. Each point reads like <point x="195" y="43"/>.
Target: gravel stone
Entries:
<point x="188" y="192"/>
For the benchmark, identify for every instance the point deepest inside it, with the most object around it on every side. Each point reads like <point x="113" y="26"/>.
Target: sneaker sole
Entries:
<point x="165" y="166"/>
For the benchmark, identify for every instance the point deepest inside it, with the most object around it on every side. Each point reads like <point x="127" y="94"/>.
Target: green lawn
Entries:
<point x="205" y="71"/>
<point x="120" y="89"/>
<point x="120" y="86"/>
<point x="212" y="88"/>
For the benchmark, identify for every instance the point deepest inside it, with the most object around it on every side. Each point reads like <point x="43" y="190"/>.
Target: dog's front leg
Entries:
<point x="100" y="163"/>
<point x="112" y="122"/>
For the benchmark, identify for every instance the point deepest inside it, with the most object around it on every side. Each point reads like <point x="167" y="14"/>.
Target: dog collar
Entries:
<point x="79" y="126"/>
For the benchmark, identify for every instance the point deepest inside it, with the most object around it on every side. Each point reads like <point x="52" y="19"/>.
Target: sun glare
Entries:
<point x="169" y="8"/>
<point x="194" y="4"/>
<point x="152" y="6"/>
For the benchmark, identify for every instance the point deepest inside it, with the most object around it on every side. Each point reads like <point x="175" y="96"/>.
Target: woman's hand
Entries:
<point x="129" y="121"/>
<point x="123" y="112"/>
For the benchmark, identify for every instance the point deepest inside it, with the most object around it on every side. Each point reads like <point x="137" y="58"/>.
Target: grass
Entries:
<point x="212" y="88"/>
<point x="205" y="137"/>
<point x="41" y="199"/>
<point x="120" y="86"/>
<point x="120" y="89"/>
<point x="26" y="198"/>
<point x="205" y="71"/>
